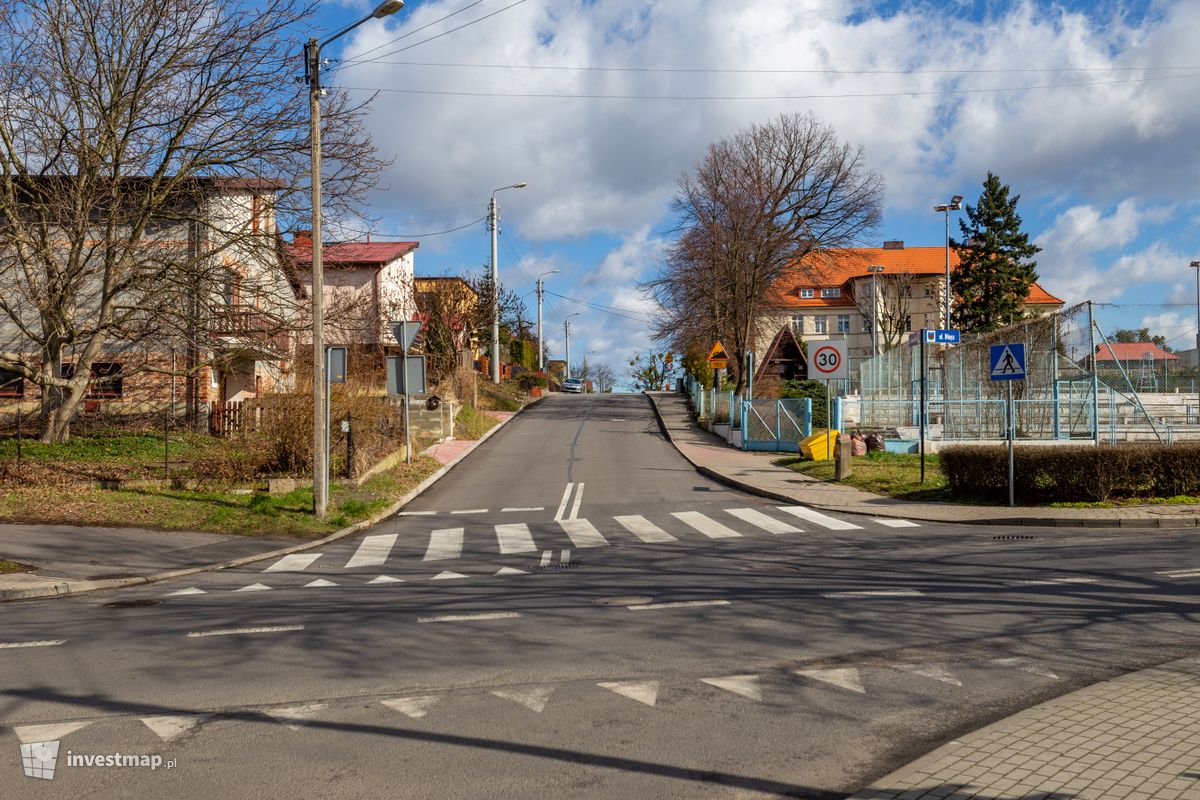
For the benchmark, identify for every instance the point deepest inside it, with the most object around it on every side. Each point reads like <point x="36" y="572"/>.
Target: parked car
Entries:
<point x="573" y="385"/>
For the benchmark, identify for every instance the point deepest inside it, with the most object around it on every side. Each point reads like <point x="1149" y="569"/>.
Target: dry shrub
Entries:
<point x="236" y="459"/>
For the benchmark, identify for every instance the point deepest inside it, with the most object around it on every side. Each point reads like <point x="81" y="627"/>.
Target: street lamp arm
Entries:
<point x="382" y="10"/>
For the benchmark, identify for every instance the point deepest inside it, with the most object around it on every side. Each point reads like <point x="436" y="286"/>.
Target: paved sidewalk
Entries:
<point x="758" y="474"/>
<point x="1135" y="737"/>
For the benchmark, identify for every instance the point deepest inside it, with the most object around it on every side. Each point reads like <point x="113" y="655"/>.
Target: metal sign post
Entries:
<point x="1008" y="364"/>
<point x="921" y="411"/>
<point x="335" y="372"/>
<point x="405" y="332"/>
<point x="829" y="362"/>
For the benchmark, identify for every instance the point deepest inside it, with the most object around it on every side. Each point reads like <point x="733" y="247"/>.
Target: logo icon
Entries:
<point x="39" y="759"/>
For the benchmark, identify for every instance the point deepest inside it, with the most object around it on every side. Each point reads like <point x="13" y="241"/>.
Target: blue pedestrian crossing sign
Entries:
<point x="1008" y="362"/>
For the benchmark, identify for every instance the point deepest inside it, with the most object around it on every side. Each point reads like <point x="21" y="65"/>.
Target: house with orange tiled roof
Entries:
<point x="872" y="297"/>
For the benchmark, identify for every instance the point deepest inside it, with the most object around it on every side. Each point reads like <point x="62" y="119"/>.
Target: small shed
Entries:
<point x="784" y="359"/>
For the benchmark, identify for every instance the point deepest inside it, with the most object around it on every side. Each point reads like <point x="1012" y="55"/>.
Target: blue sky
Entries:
<point x="1085" y="108"/>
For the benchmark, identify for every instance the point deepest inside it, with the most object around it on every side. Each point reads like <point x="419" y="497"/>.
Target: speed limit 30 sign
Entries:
<point x="828" y="362"/>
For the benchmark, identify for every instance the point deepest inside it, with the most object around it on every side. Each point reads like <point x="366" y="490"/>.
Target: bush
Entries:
<point x="1073" y="472"/>
<point x="528" y="380"/>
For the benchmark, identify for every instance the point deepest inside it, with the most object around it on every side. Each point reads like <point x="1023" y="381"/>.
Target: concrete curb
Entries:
<point x="1141" y="523"/>
<point x="68" y="587"/>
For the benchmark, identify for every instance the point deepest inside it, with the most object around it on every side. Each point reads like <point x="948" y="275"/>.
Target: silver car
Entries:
<point x="573" y="385"/>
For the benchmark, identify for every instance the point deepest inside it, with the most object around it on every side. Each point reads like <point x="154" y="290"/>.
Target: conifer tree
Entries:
<point x="995" y="267"/>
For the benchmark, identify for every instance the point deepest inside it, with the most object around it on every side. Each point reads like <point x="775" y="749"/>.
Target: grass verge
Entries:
<point x="8" y="567"/>
<point x="471" y="423"/>
<point x="892" y="474"/>
<point x="257" y="514"/>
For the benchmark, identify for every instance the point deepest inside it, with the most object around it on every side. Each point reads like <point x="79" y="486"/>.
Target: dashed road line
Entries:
<point x="416" y="513"/>
<point x="877" y="593"/>
<point x="566" y="498"/>
<point x="1052" y="581"/>
<point x="444" y="544"/>
<point x="470" y="617"/>
<point x="471" y="511"/>
<point x="19" y="645"/>
<point x="241" y="631"/>
<point x="679" y="604"/>
<point x="578" y="500"/>
<point x="526" y="508"/>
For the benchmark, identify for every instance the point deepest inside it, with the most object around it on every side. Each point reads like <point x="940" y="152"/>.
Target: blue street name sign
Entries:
<point x="1008" y="362"/>
<point x="942" y="337"/>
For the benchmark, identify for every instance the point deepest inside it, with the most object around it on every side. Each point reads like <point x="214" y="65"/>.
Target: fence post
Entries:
<point x="744" y="430"/>
<point x="1095" y="378"/>
<point x="778" y="432"/>
<point x="807" y="417"/>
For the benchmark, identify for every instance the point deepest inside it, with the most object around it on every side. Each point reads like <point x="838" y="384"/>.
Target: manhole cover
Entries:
<point x="132" y="603"/>
<point x="780" y="568"/>
<point x="624" y="600"/>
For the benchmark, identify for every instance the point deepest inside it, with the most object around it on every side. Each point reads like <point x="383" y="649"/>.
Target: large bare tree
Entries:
<point x="130" y="132"/>
<point x="892" y="310"/>
<point x="750" y="211"/>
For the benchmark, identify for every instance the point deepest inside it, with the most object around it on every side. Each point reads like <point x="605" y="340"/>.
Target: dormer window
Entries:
<point x="806" y="294"/>
<point x="834" y="292"/>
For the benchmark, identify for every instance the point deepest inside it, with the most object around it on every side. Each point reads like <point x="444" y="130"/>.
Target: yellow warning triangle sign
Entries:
<point x="718" y="351"/>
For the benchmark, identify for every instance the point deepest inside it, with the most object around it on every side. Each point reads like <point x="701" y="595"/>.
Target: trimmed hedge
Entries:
<point x="1073" y="473"/>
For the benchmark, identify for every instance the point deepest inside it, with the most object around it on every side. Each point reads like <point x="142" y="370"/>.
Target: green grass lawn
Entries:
<point x="8" y="567"/>
<point x="256" y="514"/>
<point x="108" y="446"/>
<point x="892" y="474"/>
<point x="471" y="423"/>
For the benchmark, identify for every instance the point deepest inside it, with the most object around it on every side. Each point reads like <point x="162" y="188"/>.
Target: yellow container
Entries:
<point x="820" y="446"/>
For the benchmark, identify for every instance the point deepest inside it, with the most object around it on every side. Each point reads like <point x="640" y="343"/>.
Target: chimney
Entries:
<point x="894" y="244"/>
<point x="302" y="238"/>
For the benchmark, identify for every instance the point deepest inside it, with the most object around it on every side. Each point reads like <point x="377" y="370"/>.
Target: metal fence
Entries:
<point x="776" y="425"/>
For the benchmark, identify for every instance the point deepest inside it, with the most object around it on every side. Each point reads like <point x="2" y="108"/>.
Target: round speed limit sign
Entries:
<point x="829" y="362"/>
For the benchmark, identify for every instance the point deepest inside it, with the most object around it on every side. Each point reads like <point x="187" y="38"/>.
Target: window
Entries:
<point x="806" y="294"/>
<point x="11" y="384"/>
<point x="820" y="324"/>
<point x="231" y="291"/>
<point x="866" y="323"/>
<point x="834" y="292"/>
<point x="908" y="322"/>
<point x="106" y="381"/>
<point x="930" y="291"/>
<point x="931" y="321"/>
<point x="798" y="324"/>
<point x="843" y="323"/>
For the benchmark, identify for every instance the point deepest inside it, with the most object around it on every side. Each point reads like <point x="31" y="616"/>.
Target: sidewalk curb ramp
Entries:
<point x="1171" y="523"/>
<point x="69" y="587"/>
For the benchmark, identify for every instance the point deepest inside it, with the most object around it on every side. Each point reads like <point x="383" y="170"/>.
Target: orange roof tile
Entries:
<point x="1132" y="351"/>
<point x="828" y="269"/>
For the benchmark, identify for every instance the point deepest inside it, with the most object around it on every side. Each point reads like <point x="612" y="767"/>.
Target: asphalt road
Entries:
<point x="574" y="612"/>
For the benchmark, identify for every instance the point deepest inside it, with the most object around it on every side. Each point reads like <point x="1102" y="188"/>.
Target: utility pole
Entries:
<point x="567" y="336"/>
<point x="494" y="225"/>
<point x="541" y="347"/>
<point x="318" y="283"/>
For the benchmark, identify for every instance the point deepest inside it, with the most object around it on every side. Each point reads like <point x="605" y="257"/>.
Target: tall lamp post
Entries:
<point x="1196" y="266"/>
<point x="873" y="270"/>
<point x="493" y="224"/>
<point x="945" y="208"/>
<point x="567" y="337"/>
<point x="312" y="75"/>
<point x="541" y="347"/>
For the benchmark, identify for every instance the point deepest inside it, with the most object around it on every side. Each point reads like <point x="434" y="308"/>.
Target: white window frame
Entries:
<point x="821" y="324"/>
<point x="807" y="294"/>
<point x="831" y="292"/>
<point x="797" y="323"/>
<point x="843" y="323"/>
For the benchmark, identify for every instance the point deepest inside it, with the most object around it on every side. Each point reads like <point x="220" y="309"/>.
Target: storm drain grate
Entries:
<point x="1009" y="537"/>
<point x="132" y="603"/>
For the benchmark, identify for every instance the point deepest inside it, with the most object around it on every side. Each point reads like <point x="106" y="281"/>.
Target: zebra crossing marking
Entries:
<point x="824" y="520"/>
<point x="761" y="520"/>
<point x="895" y="523"/>
<point x="445" y="543"/>
<point x="296" y="562"/>
<point x="644" y="529"/>
<point x="373" y="551"/>
<point x="582" y="533"/>
<point x="709" y="527"/>
<point x="515" y="538"/>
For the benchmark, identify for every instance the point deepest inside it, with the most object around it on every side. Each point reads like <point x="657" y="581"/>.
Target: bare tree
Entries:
<point x="604" y="376"/>
<point x="752" y="209"/>
<point x="148" y="151"/>
<point x="892" y="310"/>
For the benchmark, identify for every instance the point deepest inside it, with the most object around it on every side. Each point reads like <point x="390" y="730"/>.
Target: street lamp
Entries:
<point x="541" y="347"/>
<point x="567" y="336"/>
<point x="312" y="74"/>
<point x="1196" y="266"/>
<point x="873" y="270"/>
<point x="954" y="205"/>
<point x="493" y="223"/>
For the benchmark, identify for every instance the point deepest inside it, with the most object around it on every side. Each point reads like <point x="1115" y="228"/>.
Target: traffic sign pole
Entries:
<point x="828" y="422"/>
<point x="921" y="412"/>
<point x="1011" y="436"/>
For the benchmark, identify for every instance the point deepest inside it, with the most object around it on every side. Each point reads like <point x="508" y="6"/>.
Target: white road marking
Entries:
<point x="296" y="562"/>
<point x="189" y="590"/>
<point x="471" y="617"/>
<point x="385" y="579"/>
<point x="444" y="544"/>
<point x="1026" y="665"/>
<point x="824" y="520"/>
<point x="534" y="698"/>
<point x="416" y="513"/>
<point x="546" y="556"/>
<point x="842" y="677"/>
<point x="373" y="551"/>
<point x="578" y="500"/>
<point x="935" y="671"/>
<point x="1187" y="572"/>
<point x="515" y="538"/>
<point x="44" y="643"/>
<point x="471" y="511"/>
<point x="447" y="575"/>
<point x="169" y="728"/>
<point x="582" y="533"/>
<point x="1050" y="581"/>
<point x="709" y="527"/>
<point x="511" y="571"/>
<point x="295" y="716"/>
<point x="895" y="523"/>
<point x="240" y="631"/>
<point x="413" y="707"/>
<point x="761" y="520"/>
<point x="566" y="498"/>
<point x="528" y="508"/>
<point x="318" y="583"/>
<point x="680" y="604"/>
<point x="48" y="732"/>
<point x="877" y="593"/>
<point x="642" y="691"/>
<point x="254" y="587"/>
<point x="644" y="529"/>
<point x="745" y="685"/>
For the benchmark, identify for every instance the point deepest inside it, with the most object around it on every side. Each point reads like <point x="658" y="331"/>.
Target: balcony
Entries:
<point x="257" y="333"/>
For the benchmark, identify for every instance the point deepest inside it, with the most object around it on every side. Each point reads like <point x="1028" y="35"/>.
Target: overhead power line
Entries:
<point x="355" y="62"/>
<point x="616" y="312"/>
<point x="415" y="31"/>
